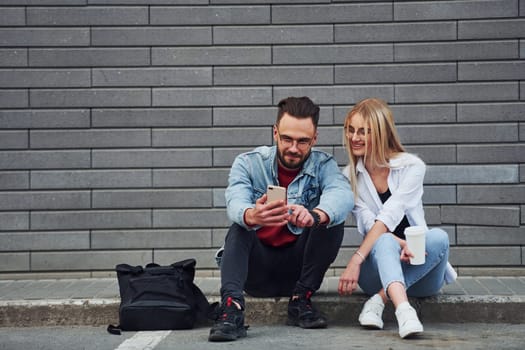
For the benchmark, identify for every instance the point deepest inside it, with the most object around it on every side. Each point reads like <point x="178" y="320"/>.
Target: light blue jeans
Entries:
<point x="383" y="266"/>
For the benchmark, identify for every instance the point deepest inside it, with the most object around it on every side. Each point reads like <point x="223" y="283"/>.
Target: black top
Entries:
<point x="400" y="229"/>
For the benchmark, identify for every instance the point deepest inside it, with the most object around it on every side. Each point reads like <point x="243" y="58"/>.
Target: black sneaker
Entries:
<point x="229" y="324"/>
<point x="301" y="313"/>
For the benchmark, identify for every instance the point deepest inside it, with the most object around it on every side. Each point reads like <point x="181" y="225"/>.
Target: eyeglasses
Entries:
<point x="361" y="132"/>
<point x="302" y="144"/>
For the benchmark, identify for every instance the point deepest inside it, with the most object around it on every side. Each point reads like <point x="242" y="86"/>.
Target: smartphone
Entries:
<point x="276" y="193"/>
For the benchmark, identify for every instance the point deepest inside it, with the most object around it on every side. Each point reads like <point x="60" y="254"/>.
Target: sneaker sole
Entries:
<point x="370" y="324"/>
<point x="220" y="336"/>
<point x="317" y="325"/>
<point x="412" y="333"/>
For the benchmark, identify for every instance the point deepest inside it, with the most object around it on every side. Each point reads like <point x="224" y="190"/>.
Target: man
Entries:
<point x="283" y="247"/>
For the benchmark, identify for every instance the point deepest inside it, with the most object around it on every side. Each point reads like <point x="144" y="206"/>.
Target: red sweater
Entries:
<point x="278" y="236"/>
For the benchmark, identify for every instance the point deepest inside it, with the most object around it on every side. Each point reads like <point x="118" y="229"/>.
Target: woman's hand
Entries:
<point x="350" y="276"/>
<point x="406" y="254"/>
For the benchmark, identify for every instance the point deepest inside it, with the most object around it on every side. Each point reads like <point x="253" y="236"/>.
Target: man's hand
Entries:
<point x="274" y="213"/>
<point x="300" y="216"/>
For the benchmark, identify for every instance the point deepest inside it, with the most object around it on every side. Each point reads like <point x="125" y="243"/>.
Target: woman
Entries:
<point x="388" y="185"/>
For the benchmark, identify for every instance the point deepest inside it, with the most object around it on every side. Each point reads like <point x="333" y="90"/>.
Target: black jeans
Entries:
<point x="265" y="271"/>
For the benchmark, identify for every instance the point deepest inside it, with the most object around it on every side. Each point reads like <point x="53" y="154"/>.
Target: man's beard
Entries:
<point x="289" y="165"/>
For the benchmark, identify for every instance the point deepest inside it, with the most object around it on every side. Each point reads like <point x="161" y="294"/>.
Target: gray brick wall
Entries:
<point x="119" y="119"/>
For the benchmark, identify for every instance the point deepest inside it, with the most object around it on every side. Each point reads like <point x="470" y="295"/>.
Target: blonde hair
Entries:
<point x="384" y="138"/>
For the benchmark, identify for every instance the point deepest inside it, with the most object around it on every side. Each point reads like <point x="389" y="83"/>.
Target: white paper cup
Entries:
<point x="415" y="237"/>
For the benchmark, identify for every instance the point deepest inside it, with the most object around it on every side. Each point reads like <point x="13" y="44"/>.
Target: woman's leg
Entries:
<point x="427" y="279"/>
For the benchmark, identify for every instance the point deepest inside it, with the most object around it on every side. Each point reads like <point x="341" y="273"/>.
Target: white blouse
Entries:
<point x="405" y="181"/>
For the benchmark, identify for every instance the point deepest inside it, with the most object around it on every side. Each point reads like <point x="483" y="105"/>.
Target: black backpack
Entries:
<point x="160" y="298"/>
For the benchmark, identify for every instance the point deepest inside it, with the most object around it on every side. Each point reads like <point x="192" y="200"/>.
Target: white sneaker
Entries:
<point x="450" y="274"/>
<point x="407" y="320"/>
<point x="371" y="315"/>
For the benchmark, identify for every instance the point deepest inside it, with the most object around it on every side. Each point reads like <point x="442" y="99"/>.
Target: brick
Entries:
<point x="14" y="180"/>
<point x="482" y="256"/>
<point x="210" y="15"/>
<point x="13" y="57"/>
<point x="86" y="16"/>
<point x="337" y="94"/>
<point x="88" y="260"/>
<point x="311" y="34"/>
<point x="522" y="48"/>
<point x="439" y="195"/>
<point x="205" y="257"/>
<point x="14" y="98"/>
<point x="211" y="137"/>
<point x="325" y="54"/>
<point x="44" y="2"/>
<point x="90" y="138"/>
<point x="481" y="215"/>
<point x="151" y="36"/>
<point x="333" y="13"/>
<point x="464" y="92"/>
<point x="431" y="10"/>
<point x="14" y="221"/>
<point x="471" y="174"/>
<point x="90" y="179"/>
<point x="12" y="16"/>
<point x="91" y="98"/>
<point x="148" y="158"/>
<point x="434" y="154"/>
<point x="433" y="215"/>
<point x="496" y="194"/>
<point x="306" y="75"/>
<point x="210" y="56"/>
<point x="159" y="198"/>
<point x="145" y="239"/>
<point x="411" y="114"/>
<point x="13" y="139"/>
<point x="224" y="157"/>
<point x="89" y="57"/>
<point x="190" y="177"/>
<point x="458" y="133"/>
<point x="491" y="112"/>
<point x="21" y="78"/>
<point x="35" y="240"/>
<point x="44" y="200"/>
<point x="22" y="37"/>
<point x="522" y="173"/>
<point x="14" y="262"/>
<point x="513" y="70"/>
<point x="395" y="73"/>
<point x="265" y="1"/>
<point x="244" y="116"/>
<point x="149" y="2"/>
<point x="218" y="197"/>
<point x="479" y="235"/>
<point x="218" y="236"/>
<point x="158" y="117"/>
<point x="189" y="218"/>
<point x="455" y="51"/>
<point x="181" y="97"/>
<point x="44" y="159"/>
<point x="491" y="29"/>
<point x="395" y="32"/>
<point x="152" y="77"/>
<point x="259" y="116"/>
<point x="504" y="153"/>
<point x="43" y="119"/>
<point x="90" y="219"/>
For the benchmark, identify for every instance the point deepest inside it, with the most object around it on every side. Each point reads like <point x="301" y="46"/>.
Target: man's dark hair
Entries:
<point x="298" y="107"/>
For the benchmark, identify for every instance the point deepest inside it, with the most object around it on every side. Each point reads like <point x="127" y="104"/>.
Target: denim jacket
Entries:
<point x="320" y="184"/>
